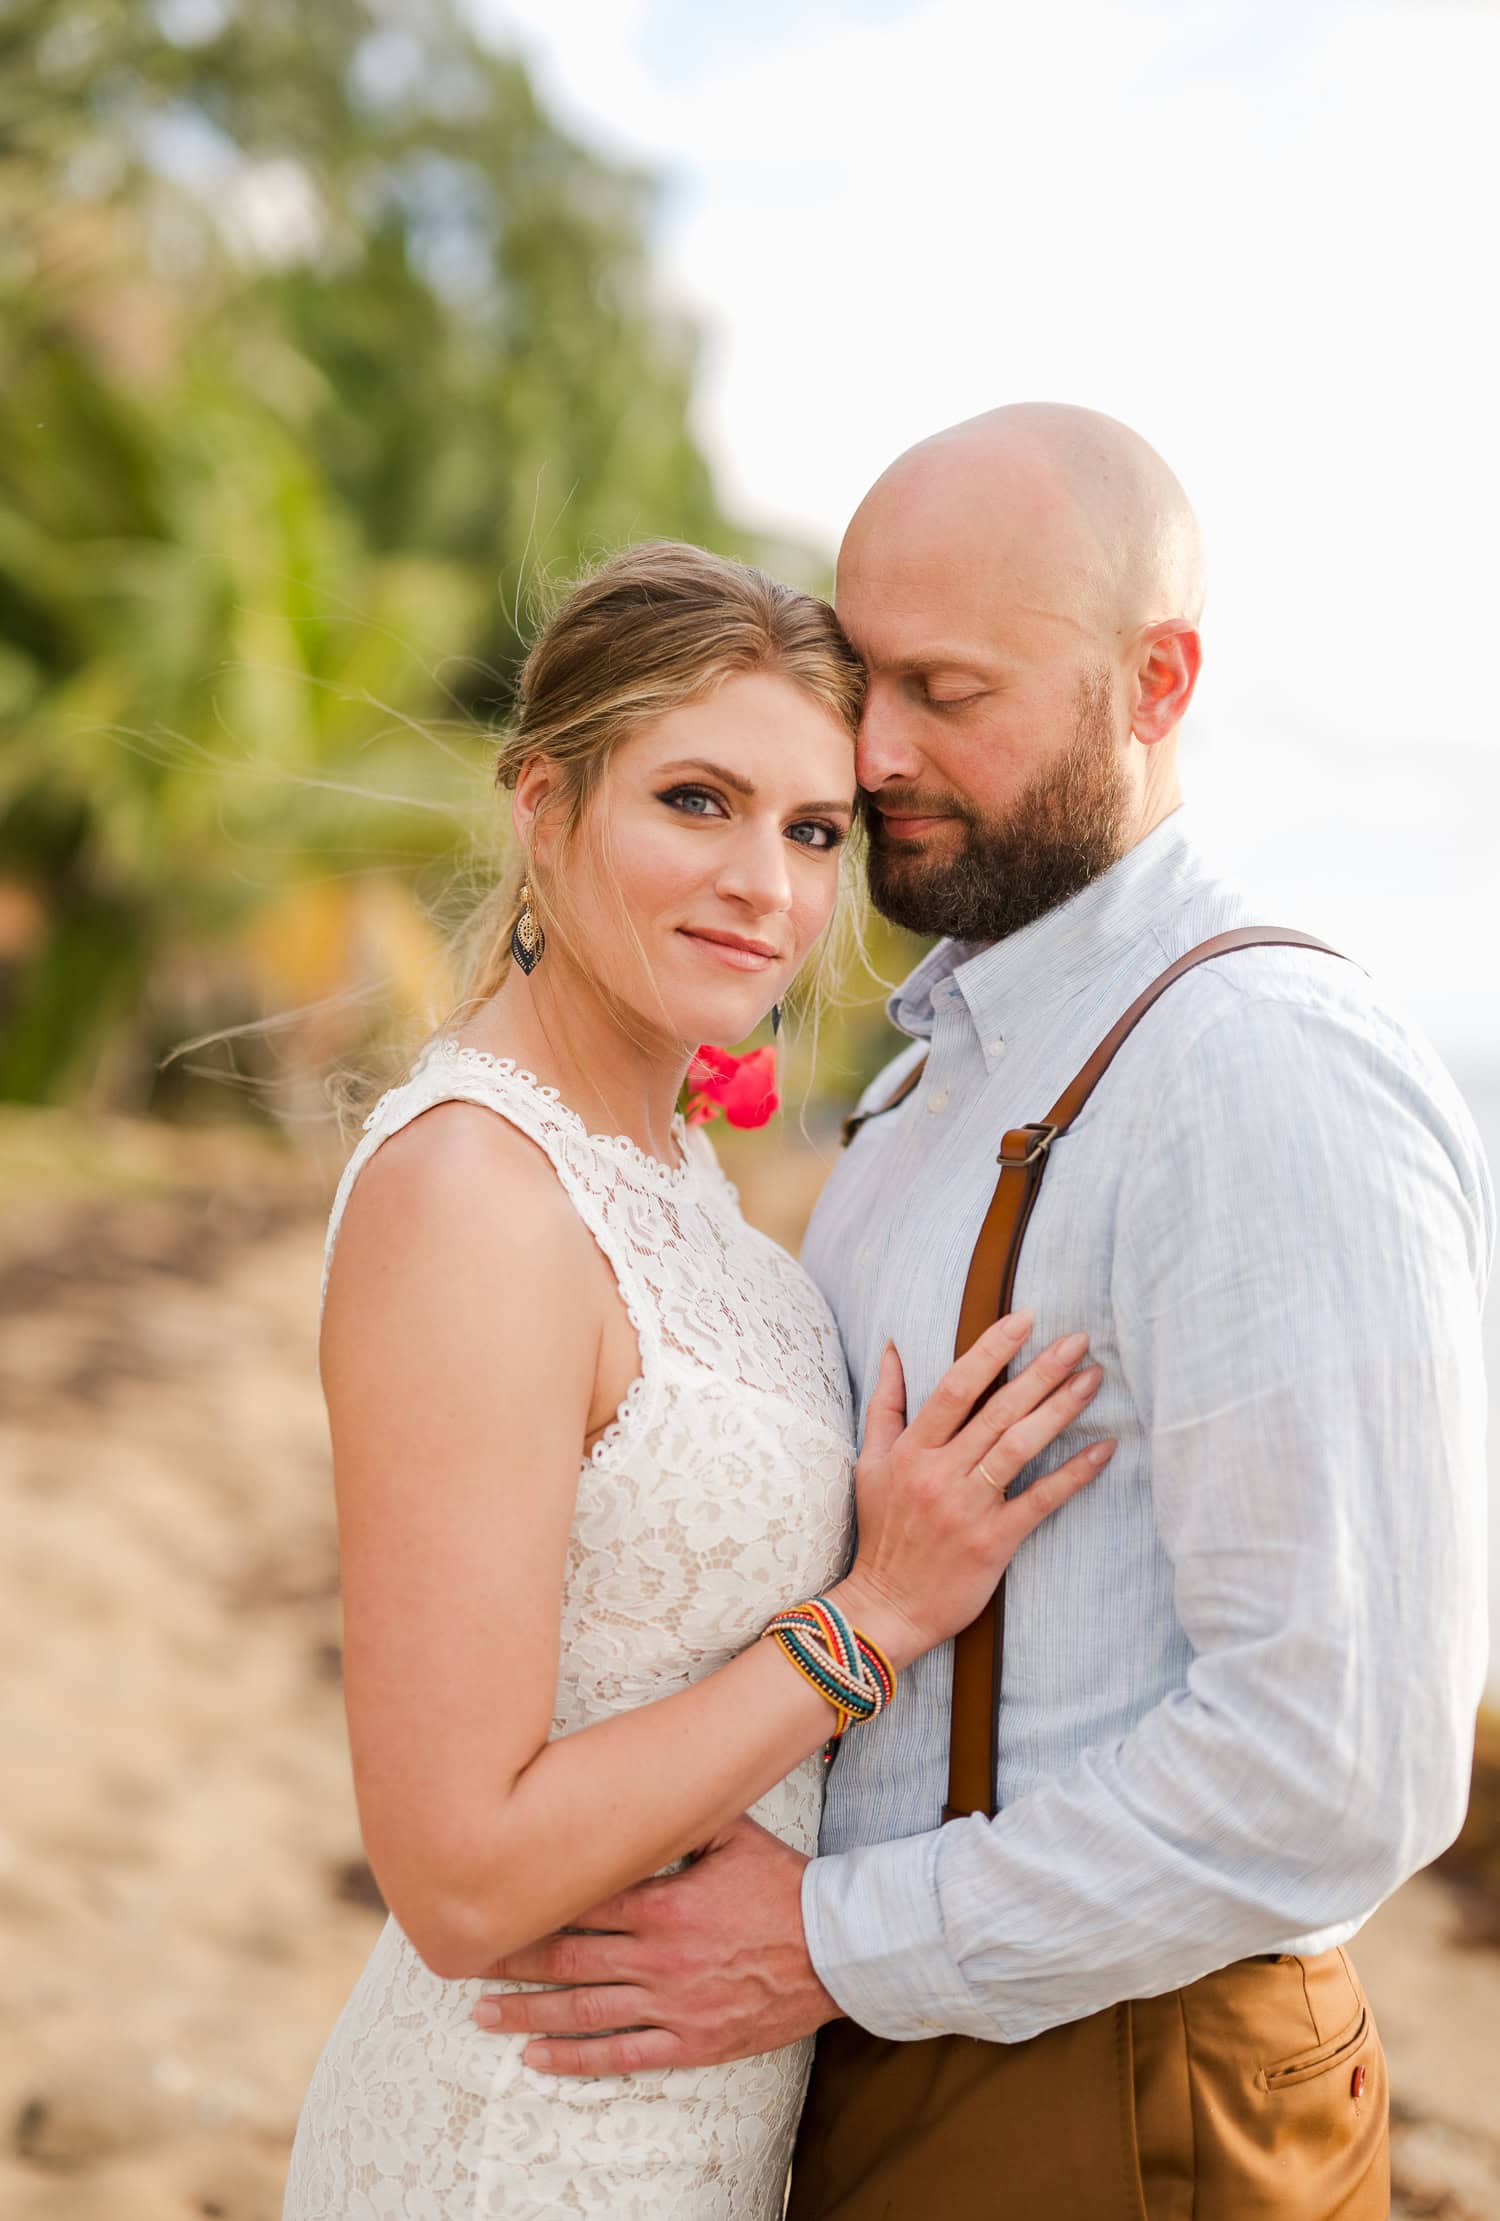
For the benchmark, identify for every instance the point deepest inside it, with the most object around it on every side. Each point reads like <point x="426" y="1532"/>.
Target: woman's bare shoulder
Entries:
<point x="460" y="1189"/>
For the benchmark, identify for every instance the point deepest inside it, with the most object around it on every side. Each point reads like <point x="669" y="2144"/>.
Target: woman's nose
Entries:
<point x="756" y="873"/>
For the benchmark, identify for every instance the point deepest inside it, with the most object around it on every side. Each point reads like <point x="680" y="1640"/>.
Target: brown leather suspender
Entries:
<point x="973" y="1746"/>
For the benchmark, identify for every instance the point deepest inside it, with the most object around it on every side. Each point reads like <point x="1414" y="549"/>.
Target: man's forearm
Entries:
<point x="1136" y="1872"/>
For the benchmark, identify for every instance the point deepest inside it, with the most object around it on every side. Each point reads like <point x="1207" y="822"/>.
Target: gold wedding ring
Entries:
<point x="998" y="1486"/>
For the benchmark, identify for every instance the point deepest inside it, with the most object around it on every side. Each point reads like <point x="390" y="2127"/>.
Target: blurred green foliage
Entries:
<point x="321" y="347"/>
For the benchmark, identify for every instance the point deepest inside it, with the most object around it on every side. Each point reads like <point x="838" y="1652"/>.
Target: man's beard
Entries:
<point x="1066" y="829"/>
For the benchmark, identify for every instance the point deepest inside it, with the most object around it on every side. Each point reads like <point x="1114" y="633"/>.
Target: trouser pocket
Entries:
<point x="1290" y="2105"/>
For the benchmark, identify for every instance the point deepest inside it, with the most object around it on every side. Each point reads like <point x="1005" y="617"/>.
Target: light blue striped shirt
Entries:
<point x="1241" y="1668"/>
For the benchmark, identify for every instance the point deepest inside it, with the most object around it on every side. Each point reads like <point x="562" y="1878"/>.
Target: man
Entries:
<point x="1240" y="1672"/>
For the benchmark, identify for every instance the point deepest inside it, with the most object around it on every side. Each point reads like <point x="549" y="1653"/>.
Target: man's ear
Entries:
<point x="1166" y="674"/>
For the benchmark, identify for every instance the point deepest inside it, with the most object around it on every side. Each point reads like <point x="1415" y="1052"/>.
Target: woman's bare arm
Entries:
<point x="466" y="1312"/>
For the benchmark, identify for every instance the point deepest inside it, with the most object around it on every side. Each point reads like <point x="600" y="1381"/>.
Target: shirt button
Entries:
<point x="996" y="1048"/>
<point x="938" y="1100"/>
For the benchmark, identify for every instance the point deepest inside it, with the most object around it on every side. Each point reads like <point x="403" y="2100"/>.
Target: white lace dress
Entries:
<point x="722" y="1491"/>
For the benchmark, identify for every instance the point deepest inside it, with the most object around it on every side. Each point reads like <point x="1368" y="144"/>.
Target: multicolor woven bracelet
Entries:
<point x="853" y="1673"/>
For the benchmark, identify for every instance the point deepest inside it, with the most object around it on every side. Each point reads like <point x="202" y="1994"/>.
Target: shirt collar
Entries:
<point x="1072" y="943"/>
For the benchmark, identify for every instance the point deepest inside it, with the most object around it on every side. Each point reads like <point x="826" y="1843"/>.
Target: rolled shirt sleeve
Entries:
<point x="1303" y="1234"/>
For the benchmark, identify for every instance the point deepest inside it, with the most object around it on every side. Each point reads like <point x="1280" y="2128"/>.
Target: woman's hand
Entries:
<point x="935" y="1531"/>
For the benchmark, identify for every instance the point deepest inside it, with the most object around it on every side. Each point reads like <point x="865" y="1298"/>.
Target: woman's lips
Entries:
<point x="744" y="956"/>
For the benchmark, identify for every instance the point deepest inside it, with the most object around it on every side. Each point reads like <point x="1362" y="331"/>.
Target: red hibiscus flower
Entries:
<point x="741" y="1089"/>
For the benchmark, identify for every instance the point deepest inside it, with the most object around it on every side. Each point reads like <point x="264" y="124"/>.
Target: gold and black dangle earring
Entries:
<point x="775" y="1020"/>
<point x="527" y="940"/>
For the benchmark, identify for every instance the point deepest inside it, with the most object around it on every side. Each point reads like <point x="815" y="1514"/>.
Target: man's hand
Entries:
<point x="702" y="1966"/>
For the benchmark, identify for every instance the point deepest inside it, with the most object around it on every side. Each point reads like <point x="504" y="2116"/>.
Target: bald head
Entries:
<point x="1024" y="591"/>
<point x="1068" y="512"/>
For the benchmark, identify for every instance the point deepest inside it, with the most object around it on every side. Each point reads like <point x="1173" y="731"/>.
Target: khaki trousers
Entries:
<point x="1258" y="2092"/>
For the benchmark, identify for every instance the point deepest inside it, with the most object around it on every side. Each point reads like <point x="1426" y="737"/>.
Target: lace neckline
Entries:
<point x="654" y="1167"/>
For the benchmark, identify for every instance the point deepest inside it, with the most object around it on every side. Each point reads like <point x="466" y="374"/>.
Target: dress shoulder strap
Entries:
<point x="597" y="1174"/>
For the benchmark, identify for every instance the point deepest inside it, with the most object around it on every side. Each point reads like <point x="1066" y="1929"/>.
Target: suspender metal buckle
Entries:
<point x="1032" y="1142"/>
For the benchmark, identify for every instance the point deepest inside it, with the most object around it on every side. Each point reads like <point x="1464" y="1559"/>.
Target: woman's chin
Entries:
<point x="723" y="1007"/>
<point x="720" y="1019"/>
<point x="725" y="1029"/>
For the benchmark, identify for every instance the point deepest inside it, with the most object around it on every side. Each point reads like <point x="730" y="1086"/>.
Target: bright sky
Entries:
<point x="1258" y="231"/>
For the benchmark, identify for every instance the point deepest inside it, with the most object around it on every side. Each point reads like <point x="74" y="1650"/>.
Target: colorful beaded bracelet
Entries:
<point x="853" y="1673"/>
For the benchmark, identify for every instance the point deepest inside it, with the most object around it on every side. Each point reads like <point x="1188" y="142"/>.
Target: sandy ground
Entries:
<point x="183" y="1902"/>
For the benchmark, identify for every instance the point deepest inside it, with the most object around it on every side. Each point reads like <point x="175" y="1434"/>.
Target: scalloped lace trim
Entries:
<point x="626" y="1410"/>
<point x="446" y="1045"/>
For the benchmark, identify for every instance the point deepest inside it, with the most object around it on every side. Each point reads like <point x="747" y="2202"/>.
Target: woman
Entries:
<point x="592" y="1432"/>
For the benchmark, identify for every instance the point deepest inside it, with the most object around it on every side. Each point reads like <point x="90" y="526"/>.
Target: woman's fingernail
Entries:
<point x="487" y="2016"/>
<point x="1071" y="1347"/>
<point x="1015" y="1322"/>
<point x="537" y="2055"/>
<point x="1102" y="1452"/>
<point x="1087" y="1381"/>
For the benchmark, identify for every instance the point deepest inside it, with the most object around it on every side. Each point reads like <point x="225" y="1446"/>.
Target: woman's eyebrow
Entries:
<point x="739" y="784"/>
<point x="735" y="780"/>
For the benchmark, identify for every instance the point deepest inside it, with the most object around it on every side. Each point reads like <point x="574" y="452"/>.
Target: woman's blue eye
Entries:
<point x="809" y="832"/>
<point x="685" y="799"/>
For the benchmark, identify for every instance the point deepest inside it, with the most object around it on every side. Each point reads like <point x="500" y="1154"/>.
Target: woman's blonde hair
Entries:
<point x="654" y="628"/>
